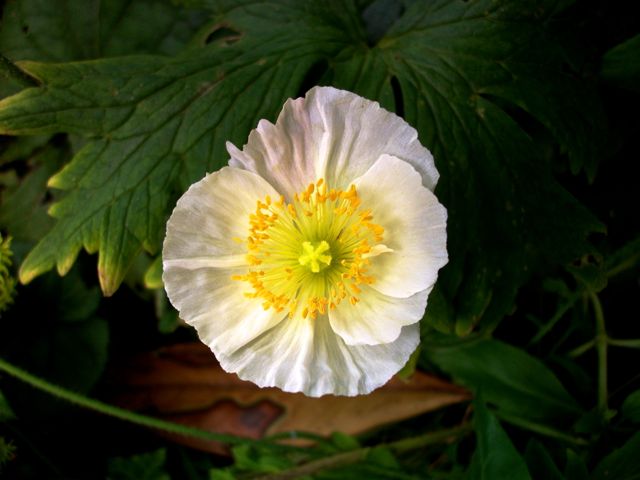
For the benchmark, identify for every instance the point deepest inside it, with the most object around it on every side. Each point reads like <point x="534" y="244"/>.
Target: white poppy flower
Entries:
<point x="306" y="263"/>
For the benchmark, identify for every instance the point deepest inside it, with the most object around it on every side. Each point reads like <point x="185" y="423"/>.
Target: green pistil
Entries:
<point x="314" y="255"/>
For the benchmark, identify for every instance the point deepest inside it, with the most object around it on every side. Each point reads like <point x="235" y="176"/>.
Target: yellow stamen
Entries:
<point x="312" y="253"/>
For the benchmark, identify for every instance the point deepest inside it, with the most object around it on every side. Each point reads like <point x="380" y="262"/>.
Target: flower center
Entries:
<point x="309" y="255"/>
<point x="314" y="256"/>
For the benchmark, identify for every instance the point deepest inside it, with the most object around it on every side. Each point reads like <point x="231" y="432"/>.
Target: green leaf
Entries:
<point x="147" y="466"/>
<point x="382" y="457"/>
<point x="23" y="211"/>
<point x="21" y="148"/>
<point x="218" y="474"/>
<point x="5" y="409"/>
<point x="168" y="322"/>
<point x="463" y="73"/>
<point x="53" y="331"/>
<point x="473" y="77"/>
<point x="153" y="275"/>
<point x="621" y="64"/>
<point x="540" y="463"/>
<point x="406" y="372"/>
<point x="379" y="16"/>
<point x="7" y="452"/>
<point x="631" y="407"/>
<point x="575" y="469"/>
<point x="589" y="274"/>
<point x="255" y="459"/>
<point x="439" y="315"/>
<point x="84" y="29"/>
<point x="495" y="456"/>
<point x="624" y="258"/>
<point x="160" y="124"/>
<point x="515" y="382"/>
<point x="622" y="464"/>
<point x="380" y="464"/>
<point x="344" y="442"/>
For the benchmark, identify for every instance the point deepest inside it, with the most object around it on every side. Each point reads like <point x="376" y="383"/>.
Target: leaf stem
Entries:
<point x="548" y="326"/>
<point x="622" y="266"/>
<point x="601" y="342"/>
<point x="360" y="454"/>
<point x="629" y="343"/>
<point x="12" y="71"/>
<point x="114" y="411"/>
<point x="538" y="428"/>
<point x="585" y="347"/>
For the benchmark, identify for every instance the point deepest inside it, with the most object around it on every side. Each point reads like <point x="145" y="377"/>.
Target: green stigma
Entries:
<point x="314" y="255"/>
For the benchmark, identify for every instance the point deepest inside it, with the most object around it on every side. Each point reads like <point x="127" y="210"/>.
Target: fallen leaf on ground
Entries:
<point x="185" y="384"/>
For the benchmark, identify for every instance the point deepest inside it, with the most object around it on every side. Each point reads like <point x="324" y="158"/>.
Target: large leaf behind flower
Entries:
<point x="456" y="70"/>
<point x="471" y="76"/>
<point x="155" y="120"/>
<point x="64" y="30"/>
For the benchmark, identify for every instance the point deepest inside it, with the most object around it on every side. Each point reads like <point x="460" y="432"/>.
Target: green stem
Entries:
<point x="431" y="438"/>
<point x="601" y="348"/>
<point x="625" y="265"/>
<point x="116" y="412"/>
<point x="585" y="347"/>
<point x="629" y="343"/>
<point x="538" y="428"/>
<point x="12" y="71"/>
<point x="360" y="454"/>
<point x="548" y="326"/>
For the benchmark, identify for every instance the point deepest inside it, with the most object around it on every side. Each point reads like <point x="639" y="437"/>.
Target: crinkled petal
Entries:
<point x="305" y="355"/>
<point x="211" y="214"/>
<point x="414" y="225"/>
<point x="286" y="154"/>
<point x="200" y="256"/>
<point x="331" y="134"/>
<point x="213" y="303"/>
<point x="376" y="318"/>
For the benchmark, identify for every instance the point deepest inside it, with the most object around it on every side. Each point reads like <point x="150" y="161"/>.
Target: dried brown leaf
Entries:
<point x="184" y="383"/>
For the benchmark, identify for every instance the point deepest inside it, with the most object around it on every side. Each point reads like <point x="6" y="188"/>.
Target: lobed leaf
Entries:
<point x="473" y="78"/>
<point x="67" y="30"/>
<point x="470" y="76"/>
<point x="157" y="125"/>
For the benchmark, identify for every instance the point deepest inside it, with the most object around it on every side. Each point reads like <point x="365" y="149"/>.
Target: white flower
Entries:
<point x="306" y="264"/>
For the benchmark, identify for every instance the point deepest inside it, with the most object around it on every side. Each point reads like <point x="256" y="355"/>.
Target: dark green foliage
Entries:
<point x="515" y="382"/>
<point x="622" y="463"/>
<point x="63" y="339"/>
<point x="621" y="64"/>
<point x="111" y="108"/>
<point x="631" y="407"/>
<point x="448" y="81"/>
<point x="146" y="466"/>
<point x="495" y="455"/>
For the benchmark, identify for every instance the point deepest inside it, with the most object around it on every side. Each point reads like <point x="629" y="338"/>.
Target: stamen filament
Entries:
<point x="312" y="253"/>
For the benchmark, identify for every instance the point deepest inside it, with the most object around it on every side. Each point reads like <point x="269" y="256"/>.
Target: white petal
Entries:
<point x="376" y="318"/>
<point x="333" y="134"/>
<point x="286" y="154"/>
<point x="209" y="300"/>
<point x="414" y="223"/>
<point x="211" y="214"/>
<point x="304" y="355"/>
<point x="200" y="256"/>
